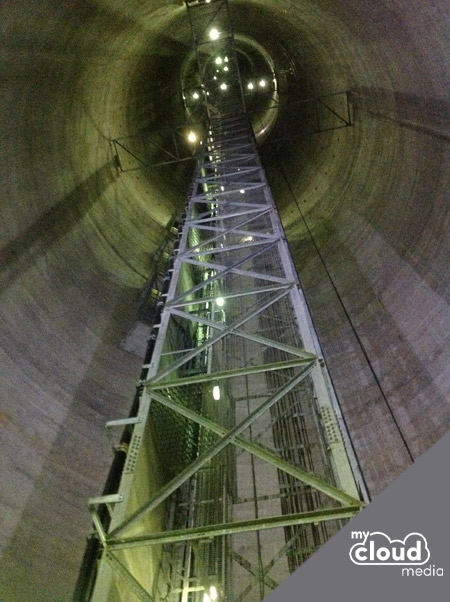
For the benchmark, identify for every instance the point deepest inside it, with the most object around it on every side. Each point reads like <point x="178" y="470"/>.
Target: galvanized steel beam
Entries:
<point x="258" y="524"/>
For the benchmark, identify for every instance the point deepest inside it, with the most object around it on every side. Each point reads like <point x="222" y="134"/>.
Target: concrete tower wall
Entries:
<point x="77" y="240"/>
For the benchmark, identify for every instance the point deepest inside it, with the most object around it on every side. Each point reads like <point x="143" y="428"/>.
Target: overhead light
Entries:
<point x="196" y="95"/>
<point x="222" y="188"/>
<point x="213" y="593"/>
<point x="262" y="83"/>
<point x="206" y="598"/>
<point x="250" y="86"/>
<point x="226" y="59"/>
<point x="214" y="34"/>
<point x="220" y="301"/>
<point x="216" y="396"/>
<point x="223" y="86"/>
<point x="225" y="68"/>
<point x="242" y="191"/>
<point x="218" y="60"/>
<point x="192" y="137"/>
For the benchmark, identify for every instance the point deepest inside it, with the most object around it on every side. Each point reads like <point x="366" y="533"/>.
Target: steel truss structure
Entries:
<point x="238" y="465"/>
<point x="168" y="146"/>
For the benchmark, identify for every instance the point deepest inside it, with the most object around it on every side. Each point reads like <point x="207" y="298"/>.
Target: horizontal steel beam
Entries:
<point x="231" y="214"/>
<point x="228" y="248"/>
<point x="258" y="524"/>
<point x="234" y="295"/>
<point x="202" y="378"/>
<point x="221" y="271"/>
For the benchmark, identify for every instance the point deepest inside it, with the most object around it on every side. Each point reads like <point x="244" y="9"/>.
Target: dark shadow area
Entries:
<point x="424" y="115"/>
<point x="74" y="469"/>
<point x="55" y="223"/>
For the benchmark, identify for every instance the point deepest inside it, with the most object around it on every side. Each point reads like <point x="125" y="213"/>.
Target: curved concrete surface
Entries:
<point x="78" y="239"/>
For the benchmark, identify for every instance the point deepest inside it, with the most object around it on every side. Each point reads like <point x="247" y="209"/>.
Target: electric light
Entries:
<point x="216" y="393"/>
<point x="214" y="34"/>
<point x="192" y="137"/>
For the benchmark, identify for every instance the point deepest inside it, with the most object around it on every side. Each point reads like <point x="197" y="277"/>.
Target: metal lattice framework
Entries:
<point x="253" y="473"/>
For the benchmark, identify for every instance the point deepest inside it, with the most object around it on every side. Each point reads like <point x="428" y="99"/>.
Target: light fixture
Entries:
<point x="213" y="593"/>
<point x="250" y="86"/>
<point x="225" y="68"/>
<point x="214" y="34"/>
<point x="206" y="598"/>
<point x="220" y="301"/>
<point x="226" y="59"/>
<point x="223" y="86"/>
<point x="242" y="191"/>
<point x="222" y="188"/>
<point x="192" y="137"/>
<point x="218" y="60"/>
<point x="262" y="83"/>
<point x="216" y="394"/>
<point x="196" y="95"/>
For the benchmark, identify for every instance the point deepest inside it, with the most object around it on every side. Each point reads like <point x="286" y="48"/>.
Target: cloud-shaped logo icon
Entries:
<point x="379" y="549"/>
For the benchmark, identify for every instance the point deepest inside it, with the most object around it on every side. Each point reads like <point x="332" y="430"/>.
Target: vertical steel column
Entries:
<point x="237" y="429"/>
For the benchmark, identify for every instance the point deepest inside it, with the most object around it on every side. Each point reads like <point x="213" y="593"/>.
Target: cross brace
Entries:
<point x="261" y="452"/>
<point x="192" y="468"/>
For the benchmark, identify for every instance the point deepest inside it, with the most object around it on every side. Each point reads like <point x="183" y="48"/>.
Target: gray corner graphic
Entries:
<point x="417" y="502"/>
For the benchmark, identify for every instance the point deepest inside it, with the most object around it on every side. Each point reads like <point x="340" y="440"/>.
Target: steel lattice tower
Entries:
<point x="254" y="471"/>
